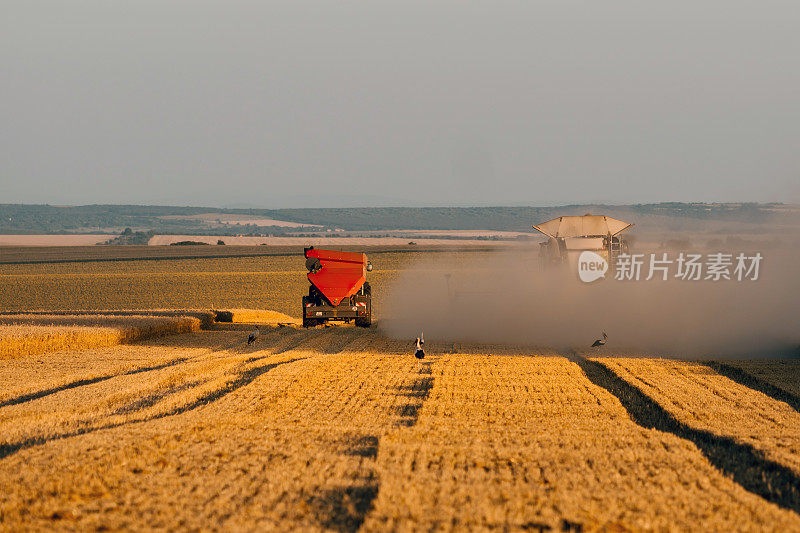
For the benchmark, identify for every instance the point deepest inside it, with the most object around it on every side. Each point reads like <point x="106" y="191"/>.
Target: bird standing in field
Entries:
<point x="419" y="353"/>
<point x="253" y="336"/>
<point x="600" y="342"/>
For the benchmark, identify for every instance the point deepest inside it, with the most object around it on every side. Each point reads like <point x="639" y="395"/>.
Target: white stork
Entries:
<point x="253" y="336"/>
<point x="600" y="342"/>
<point x="419" y="353"/>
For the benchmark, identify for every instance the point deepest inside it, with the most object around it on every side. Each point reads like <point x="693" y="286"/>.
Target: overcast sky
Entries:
<point x="376" y="103"/>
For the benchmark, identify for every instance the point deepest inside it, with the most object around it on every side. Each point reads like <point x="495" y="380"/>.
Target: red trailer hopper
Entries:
<point x="339" y="288"/>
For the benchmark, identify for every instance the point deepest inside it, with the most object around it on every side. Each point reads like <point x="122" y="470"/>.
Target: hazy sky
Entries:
<point x="374" y="102"/>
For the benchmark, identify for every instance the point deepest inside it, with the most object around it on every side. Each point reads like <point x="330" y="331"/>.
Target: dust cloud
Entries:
<point x="505" y="297"/>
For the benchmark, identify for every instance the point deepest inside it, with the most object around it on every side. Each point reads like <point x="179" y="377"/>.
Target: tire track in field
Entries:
<point x="743" y="463"/>
<point x="294" y="340"/>
<point x="27" y="397"/>
<point x="89" y="381"/>
<point x="748" y="380"/>
<point x="242" y="379"/>
<point x="343" y="338"/>
<point x="328" y="341"/>
<point x="222" y="349"/>
<point x="153" y="398"/>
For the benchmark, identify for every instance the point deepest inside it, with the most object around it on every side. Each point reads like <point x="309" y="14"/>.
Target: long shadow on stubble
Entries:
<point x="746" y="465"/>
<point x="81" y="382"/>
<point x="748" y="380"/>
<point x="242" y="379"/>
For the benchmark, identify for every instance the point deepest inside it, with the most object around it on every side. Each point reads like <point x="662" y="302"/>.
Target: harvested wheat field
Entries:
<point x="335" y="429"/>
<point x="130" y="399"/>
<point x="29" y="334"/>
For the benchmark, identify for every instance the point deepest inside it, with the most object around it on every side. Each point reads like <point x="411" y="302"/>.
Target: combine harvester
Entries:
<point x="569" y="237"/>
<point x="339" y="288"/>
<point x="572" y="235"/>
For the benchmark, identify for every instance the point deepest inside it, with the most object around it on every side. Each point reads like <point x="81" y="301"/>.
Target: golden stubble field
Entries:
<point x="159" y="282"/>
<point x="31" y="334"/>
<point x="336" y="429"/>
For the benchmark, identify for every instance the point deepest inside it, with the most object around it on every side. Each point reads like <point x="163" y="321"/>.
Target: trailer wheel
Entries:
<point x="366" y="321"/>
<point x="307" y="322"/>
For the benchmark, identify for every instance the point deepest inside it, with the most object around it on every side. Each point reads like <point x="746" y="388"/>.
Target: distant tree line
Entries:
<point x="130" y="237"/>
<point x="32" y="219"/>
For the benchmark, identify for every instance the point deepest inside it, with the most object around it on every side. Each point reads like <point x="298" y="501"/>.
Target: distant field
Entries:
<point x="52" y="240"/>
<point x="273" y="281"/>
<point x="228" y="218"/>
<point x="60" y="254"/>
<point x="322" y="241"/>
<point x="57" y="254"/>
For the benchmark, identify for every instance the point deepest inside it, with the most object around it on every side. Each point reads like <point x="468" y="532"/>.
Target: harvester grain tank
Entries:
<point x="571" y="235"/>
<point x="339" y="289"/>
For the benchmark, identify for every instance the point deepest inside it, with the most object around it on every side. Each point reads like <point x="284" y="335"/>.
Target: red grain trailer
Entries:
<point x="339" y="289"/>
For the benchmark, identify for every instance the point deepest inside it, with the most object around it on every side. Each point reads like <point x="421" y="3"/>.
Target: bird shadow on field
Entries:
<point x="364" y="446"/>
<point x="744" y="464"/>
<point x="90" y="381"/>
<point x="242" y="379"/>
<point x="415" y="394"/>
<point x="344" y="508"/>
<point x="748" y="380"/>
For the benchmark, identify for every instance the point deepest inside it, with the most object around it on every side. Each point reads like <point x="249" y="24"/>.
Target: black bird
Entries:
<point x="600" y="342"/>
<point x="253" y="336"/>
<point x="419" y="353"/>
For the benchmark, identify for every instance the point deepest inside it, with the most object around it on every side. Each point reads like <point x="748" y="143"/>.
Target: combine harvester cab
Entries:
<point x="339" y="288"/>
<point x="571" y="235"/>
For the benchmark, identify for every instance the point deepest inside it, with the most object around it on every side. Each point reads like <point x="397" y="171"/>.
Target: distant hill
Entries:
<point x="114" y="219"/>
